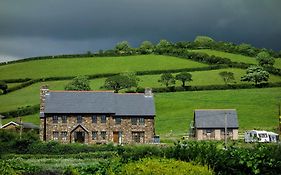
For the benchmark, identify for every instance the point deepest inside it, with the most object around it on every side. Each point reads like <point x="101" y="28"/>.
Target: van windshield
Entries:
<point x="263" y="135"/>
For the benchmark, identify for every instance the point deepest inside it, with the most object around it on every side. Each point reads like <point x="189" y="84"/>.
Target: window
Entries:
<point x="103" y="119"/>
<point x="55" y="119"/>
<point x="141" y="121"/>
<point x="134" y="120"/>
<point x="64" y="135"/>
<point x="94" y="135"/>
<point x="64" y="119"/>
<point x="209" y="133"/>
<point x="103" y="135"/>
<point x="118" y="120"/>
<point x="94" y="119"/>
<point x="138" y="137"/>
<point x="55" y="135"/>
<point x="79" y="119"/>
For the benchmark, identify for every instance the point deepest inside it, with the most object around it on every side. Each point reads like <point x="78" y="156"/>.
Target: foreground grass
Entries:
<point x="95" y="65"/>
<point x="257" y="108"/>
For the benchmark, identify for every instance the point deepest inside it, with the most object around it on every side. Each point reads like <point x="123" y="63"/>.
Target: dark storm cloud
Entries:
<point x="34" y="27"/>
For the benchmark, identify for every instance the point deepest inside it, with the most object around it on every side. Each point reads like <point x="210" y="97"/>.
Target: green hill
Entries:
<point x="256" y="107"/>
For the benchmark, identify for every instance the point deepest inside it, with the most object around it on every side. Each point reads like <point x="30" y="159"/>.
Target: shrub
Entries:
<point x="163" y="166"/>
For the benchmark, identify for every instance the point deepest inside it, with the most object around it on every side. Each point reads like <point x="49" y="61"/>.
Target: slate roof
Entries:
<point x="215" y="118"/>
<point x="24" y="125"/>
<point x="99" y="102"/>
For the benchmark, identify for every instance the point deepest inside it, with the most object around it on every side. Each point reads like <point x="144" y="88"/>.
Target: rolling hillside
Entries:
<point x="256" y="107"/>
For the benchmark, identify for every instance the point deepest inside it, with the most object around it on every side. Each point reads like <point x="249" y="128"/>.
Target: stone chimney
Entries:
<point x="148" y="92"/>
<point x="43" y="92"/>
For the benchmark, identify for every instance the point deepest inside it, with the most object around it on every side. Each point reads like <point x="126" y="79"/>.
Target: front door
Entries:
<point x="79" y="137"/>
<point x="115" y="137"/>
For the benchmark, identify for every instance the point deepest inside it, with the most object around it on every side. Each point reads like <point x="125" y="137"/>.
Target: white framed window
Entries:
<point x="64" y="135"/>
<point x="103" y="119"/>
<point x="103" y="135"/>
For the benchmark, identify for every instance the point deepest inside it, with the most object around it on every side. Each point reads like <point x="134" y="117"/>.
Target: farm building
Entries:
<point x="210" y="124"/>
<point x="96" y="117"/>
<point x="17" y="125"/>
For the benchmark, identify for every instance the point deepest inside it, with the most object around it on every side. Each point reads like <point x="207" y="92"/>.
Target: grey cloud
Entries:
<point x="51" y="27"/>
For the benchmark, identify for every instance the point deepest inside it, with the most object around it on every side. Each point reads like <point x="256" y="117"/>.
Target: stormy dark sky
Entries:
<point x="46" y="27"/>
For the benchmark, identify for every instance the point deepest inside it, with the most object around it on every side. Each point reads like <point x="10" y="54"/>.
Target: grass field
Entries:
<point x="30" y="94"/>
<point x="88" y="66"/>
<point x="231" y="56"/>
<point x="201" y="78"/>
<point x="257" y="108"/>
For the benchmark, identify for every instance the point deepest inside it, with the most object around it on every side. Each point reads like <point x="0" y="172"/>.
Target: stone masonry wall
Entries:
<point x="126" y="128"/>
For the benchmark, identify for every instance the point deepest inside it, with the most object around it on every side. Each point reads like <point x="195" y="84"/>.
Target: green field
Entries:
<point x="257" y="108"/>
<point x="211" y="77"/>
<point x="231" y="56"/>
<point x="30" y="94"/>
<point x="93" y="65"/>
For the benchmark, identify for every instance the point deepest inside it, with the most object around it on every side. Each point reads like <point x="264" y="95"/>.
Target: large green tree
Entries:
<point x="3" y="87"/>
<point x="118" y="82"/>
<point x="167" y="79"/>
<point x="80" y="83"/>
<point x="183" y="77"/>
<point x="255" y="74"/>
<point x="227" y="76"/>
<point x="123" y="47"/>
<point x="265" y="60"/>
<point x="146" y="47"/>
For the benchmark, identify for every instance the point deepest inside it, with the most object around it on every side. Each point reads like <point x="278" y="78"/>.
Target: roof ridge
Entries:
<point x="82" y="91"/>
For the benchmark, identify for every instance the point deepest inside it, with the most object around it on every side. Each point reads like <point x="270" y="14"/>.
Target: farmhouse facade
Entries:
<point x="211" y="124"/>
<point x="96" y="117"/>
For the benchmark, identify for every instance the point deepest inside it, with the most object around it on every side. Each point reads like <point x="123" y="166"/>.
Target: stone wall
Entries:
<point x="71" y="126"/>
<point x="216" y="135"/>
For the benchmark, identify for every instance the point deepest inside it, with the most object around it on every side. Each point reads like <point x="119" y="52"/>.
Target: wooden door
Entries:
<point x="115" y="137"/>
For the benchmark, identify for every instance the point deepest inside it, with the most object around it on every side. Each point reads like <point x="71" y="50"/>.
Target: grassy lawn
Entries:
<point x="257" y="108"/>
<point x="231" y="56"/>
<point x="88" y="66"/>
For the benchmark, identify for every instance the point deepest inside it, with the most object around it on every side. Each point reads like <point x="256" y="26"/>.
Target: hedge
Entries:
<point x="27" y="110"/>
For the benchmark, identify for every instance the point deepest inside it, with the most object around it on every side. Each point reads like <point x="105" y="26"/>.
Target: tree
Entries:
<point x="122" y="47"/>
<point x="255" y="74"/>
<point x="167" y="79"/>
<point x="227" y="76"/>
<point x="203" y="41"/>
<point x="3" y="87"/>
<point x="146" y="47"/>
<point x="80" y="83"/>
<point x="183" y="77"/>
<point x="119" y="82"/>
<point x="265" y="60"/>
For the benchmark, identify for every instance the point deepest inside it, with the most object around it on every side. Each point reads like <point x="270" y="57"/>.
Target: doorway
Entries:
<point x="79" y="136"/>
<point x="117" y="137"/>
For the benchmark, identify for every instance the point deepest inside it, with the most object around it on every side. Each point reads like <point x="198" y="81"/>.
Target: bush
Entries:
<point x="163" y="166"/>
<point x="22" y="111"/>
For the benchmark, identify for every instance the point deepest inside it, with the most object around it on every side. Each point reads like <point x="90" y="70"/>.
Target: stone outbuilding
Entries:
<point x="96" y="117"/>
<point x="16" y="126"/>
<point x="211" y="124"/>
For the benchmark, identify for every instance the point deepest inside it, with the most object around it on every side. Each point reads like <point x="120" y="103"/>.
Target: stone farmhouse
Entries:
<point x="94" y="117"/>
<point x="210" y="124"/>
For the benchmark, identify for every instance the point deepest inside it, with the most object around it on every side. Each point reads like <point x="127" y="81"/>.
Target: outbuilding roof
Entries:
<point x="99" y="102"/>
<point x="215" y="118"/>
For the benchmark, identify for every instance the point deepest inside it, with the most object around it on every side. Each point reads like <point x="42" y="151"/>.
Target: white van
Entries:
<point x="260" y="136"/>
